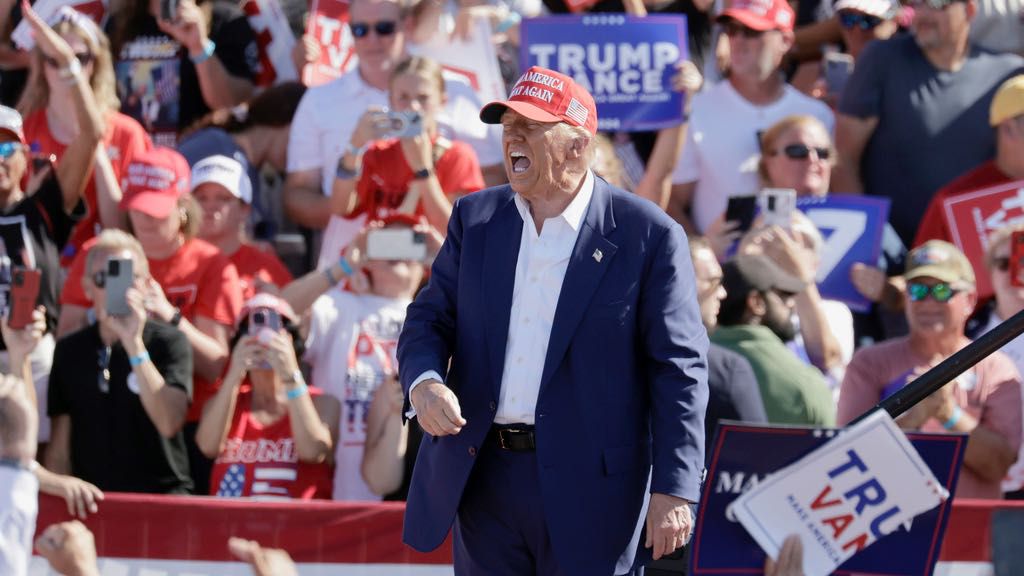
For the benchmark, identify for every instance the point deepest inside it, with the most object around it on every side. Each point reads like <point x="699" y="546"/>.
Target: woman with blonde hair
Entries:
<point x="51" y="122"/>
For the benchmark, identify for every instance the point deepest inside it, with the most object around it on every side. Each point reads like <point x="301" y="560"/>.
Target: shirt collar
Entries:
<point x="574" y="212"/>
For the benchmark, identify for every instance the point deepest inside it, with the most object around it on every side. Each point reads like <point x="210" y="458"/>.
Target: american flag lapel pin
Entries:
<point x="598" y="255"/>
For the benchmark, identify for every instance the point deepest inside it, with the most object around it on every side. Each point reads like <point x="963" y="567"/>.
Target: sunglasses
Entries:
<point x="733" y="29"/>
<point x="851" y="20"/>
<point x="382" y="28"/>
<point x="84" y="58"/>
<point x="941" y="292"/>
<point x="803" y="152"/>
<point x="8" y="149"/>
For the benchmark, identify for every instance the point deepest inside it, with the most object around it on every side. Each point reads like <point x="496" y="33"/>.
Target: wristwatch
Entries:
<point x="422" y="174"/>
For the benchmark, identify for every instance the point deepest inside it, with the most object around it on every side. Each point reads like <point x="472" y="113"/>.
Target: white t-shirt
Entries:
<point x="19" y="506"/>
<point x="327" y="116"/>
<point x="351" y="344"/>
<point x="722" y="150"/>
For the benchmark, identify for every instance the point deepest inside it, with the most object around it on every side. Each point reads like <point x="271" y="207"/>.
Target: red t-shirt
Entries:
<point x="125" y="137"/>
<point x="934" y="226"/>
<point x="253" y="263"/>
<point x="262" y="461"/>
<point x="198" y="279"/>
<point x="386" y="176"/>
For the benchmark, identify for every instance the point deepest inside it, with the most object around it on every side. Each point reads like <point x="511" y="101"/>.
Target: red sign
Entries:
<point x="974" y="216"/>
<point x="328" y="24"/>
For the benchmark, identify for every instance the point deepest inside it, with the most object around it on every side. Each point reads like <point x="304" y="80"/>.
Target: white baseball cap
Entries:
<point x="883" y="9"/>
<point x="225" y="171"/>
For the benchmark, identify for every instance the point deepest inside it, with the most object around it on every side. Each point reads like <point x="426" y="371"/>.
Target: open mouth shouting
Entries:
<point x="520" y="162"/>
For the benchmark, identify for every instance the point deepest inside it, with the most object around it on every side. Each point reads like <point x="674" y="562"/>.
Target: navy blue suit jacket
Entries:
<point x="622" y="398"/>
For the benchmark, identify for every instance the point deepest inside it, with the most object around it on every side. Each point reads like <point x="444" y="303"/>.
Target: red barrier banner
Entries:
<point x="188" y="535"/>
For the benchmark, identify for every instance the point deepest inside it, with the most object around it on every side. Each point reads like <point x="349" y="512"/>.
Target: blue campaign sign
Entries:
<point x="625" y="62"/>
<point x="742" y="455"/>
<point x="852" y="227"/>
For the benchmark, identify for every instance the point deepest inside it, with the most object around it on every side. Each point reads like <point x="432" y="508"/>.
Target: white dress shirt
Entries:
<point x="540" y="270"/>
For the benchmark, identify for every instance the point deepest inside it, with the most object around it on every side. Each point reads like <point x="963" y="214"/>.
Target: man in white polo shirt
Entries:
<point x="719" y="158"/>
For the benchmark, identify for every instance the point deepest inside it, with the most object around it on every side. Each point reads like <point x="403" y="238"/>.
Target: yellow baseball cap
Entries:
<point x="1008" y="101"/>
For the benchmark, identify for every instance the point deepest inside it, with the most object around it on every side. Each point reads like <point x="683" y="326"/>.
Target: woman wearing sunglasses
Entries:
<point x="51" y="123"/>
<point x="797" y="153"/>
<point x="174" y="67"/>
<point x="39" y="221"/>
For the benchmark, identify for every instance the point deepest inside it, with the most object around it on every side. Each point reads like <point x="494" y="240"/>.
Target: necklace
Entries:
<point x="103" y="363"/>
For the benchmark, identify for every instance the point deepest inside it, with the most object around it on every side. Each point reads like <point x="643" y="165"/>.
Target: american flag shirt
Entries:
<point x="261" y="461"/>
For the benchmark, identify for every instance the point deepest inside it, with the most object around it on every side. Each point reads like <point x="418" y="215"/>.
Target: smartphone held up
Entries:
<point x="118" y="279"/>
<point x="24" y="294"/>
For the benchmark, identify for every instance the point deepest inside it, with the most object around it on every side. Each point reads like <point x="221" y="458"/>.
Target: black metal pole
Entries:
<point x="950" y="368"/>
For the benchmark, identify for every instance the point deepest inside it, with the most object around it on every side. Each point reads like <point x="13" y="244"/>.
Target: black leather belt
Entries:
<point x="513" y="437"/>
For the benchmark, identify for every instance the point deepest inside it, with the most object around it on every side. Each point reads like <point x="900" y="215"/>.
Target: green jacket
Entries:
<point x="793" y="392"/>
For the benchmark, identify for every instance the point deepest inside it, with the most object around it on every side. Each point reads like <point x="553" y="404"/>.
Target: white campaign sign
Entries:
<point x="865" y="483"/>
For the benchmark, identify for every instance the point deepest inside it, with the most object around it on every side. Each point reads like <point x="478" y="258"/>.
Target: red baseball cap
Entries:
<point x="156" y="179"/>
<point x="761" y="15"/>
<point x="546" y="96"/>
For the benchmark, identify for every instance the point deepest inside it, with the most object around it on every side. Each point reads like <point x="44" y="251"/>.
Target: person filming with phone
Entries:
<point x="264" y="401"/>
<point x="352" y="338"/>
<point x="120" y="388"/>
<point x="413" y="170"/>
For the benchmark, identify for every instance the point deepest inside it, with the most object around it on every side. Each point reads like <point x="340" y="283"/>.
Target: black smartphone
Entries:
<point x="741" y="209"/>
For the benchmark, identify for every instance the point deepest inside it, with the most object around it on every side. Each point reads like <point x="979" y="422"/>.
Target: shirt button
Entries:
<point x="472" y="451"/>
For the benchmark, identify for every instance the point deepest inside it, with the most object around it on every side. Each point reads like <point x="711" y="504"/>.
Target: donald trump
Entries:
<point x="568" y="426"/>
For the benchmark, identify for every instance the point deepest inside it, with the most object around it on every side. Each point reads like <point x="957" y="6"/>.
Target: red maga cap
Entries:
<point x="546" y="96"/>
<point x="760" y="15"/>
<point x="155" y="181"/>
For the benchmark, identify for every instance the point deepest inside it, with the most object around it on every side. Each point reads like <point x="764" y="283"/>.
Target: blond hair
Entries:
<point x="112" y="241"/>
<point x="769" y="140"/>
<point x="102" y="82"/>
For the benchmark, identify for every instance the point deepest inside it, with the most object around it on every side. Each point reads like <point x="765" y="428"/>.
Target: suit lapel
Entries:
<point x="501" y="253"/>
<point x="587" y="267"/>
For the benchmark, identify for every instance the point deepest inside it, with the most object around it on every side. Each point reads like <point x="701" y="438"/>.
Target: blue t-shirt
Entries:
<point x="932" y="124"/>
